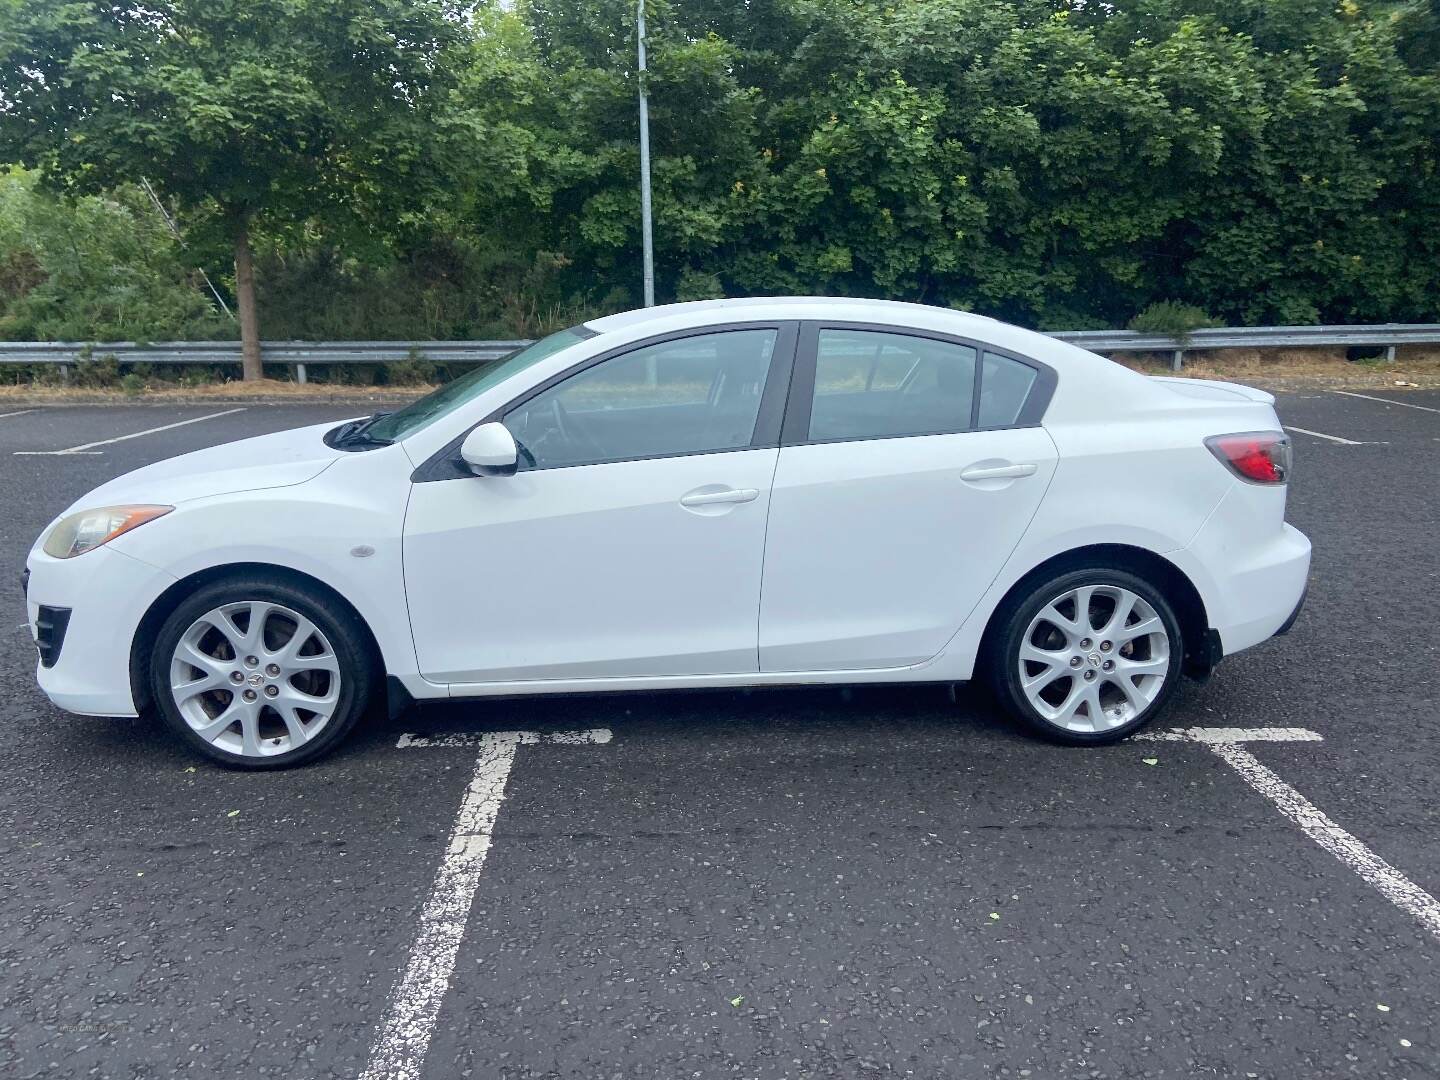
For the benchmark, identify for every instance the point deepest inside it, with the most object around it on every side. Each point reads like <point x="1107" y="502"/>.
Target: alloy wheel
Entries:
<point x="255" y="678"/>
<point x="1094" y="658"/>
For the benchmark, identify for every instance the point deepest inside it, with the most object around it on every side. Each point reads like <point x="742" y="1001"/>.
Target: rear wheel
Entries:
<point x="260" y="674"/>
<point x="1089" y="656"/>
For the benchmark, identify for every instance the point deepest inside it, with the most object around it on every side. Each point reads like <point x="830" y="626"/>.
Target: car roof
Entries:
<point x="708" y="312"/>
<point x="1087" y="381"/>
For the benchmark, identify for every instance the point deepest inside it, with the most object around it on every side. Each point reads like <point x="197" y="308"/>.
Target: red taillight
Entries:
<point x="1261" y="457"/>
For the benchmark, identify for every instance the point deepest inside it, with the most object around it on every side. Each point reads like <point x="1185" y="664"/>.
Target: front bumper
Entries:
<point x="105" y="593"/>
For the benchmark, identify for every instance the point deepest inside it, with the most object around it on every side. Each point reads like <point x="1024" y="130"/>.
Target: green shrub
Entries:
<point x="414" y="370"/>
<point x="698" y="285"/>
<point x="1173" y="319"/>
<point x="101" y="374"/>
<point x="98" y="268"/>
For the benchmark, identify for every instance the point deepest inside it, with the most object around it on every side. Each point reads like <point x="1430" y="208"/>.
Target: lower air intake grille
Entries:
<point x="50" y="627"/>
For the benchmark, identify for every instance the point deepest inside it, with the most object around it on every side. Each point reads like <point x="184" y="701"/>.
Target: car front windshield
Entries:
<point x="446" y="399"/>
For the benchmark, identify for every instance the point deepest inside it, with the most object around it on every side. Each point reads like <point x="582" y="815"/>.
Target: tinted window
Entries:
<point x="870" y="384"/>
<point x="452" y="395"/>
<point x="686" y="396"/>
<point x="1004" y="386"/>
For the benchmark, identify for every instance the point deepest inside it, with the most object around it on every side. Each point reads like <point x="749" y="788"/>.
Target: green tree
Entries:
<point x="247" y="113"/>
<point x="1057" y="162"/>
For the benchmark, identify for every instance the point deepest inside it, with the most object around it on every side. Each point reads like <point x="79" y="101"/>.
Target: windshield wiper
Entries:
<point x="355" y="433"/>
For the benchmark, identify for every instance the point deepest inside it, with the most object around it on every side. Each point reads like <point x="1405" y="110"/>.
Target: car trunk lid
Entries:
<point x="1213" y="390"/>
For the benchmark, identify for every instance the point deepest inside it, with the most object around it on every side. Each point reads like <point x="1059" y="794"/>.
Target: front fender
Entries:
<point x="342" y="528"/>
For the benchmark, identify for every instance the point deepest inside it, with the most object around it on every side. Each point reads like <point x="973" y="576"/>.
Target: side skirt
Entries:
<point x="929" y="671"/>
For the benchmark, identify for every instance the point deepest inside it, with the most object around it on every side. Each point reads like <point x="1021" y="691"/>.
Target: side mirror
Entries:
<point x="489" y="450"/>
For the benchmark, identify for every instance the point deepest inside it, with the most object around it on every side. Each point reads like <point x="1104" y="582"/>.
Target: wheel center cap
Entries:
<point x="1094" y="659"/>
<point x="256" y="679"/>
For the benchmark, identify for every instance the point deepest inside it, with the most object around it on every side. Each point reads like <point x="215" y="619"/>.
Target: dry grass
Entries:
<point x="1415" y="366"/>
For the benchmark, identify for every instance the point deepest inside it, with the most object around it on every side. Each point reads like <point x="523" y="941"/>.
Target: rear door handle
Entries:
<point x="731" y="495"/>
<point x="999" y="472"/>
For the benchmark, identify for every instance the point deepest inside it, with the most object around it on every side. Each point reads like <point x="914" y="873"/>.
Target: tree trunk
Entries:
<point x="245" y="301"/>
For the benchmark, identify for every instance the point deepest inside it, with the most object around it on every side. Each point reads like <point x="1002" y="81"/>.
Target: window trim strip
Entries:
<point x="796" y="428"/>
<point x="445" y="463"/>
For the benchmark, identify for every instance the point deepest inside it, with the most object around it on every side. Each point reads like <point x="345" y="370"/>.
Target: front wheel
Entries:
<point x="260" y="674"/>
<point x="1089" y="656"/>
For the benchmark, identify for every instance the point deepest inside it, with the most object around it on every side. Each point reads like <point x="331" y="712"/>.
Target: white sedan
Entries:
<point x="726" y="493"/>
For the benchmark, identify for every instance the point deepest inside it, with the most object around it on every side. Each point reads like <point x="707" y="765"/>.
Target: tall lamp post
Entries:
<point x="646" y="239"/>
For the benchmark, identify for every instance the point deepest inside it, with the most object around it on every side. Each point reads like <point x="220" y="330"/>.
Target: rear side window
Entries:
<point x="871" y="384"/>
<point x="1004" y="386"/>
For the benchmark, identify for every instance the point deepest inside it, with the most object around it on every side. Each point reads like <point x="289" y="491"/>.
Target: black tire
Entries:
<point x="1003" y="661"/>
<point x="353" y="654"/>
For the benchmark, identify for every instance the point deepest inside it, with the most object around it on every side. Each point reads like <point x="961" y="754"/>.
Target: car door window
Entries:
<point x="685" y="396"/>
<point x="871" y="384"/>
<point x="1004" y="386"/>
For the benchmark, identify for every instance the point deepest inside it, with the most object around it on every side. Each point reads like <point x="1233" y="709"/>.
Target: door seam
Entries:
<point x="764" y="550"/>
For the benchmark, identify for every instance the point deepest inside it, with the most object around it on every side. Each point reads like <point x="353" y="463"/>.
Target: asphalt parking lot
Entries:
<point x="778" y="884"/>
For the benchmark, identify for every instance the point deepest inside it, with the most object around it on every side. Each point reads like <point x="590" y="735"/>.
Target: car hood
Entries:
<point x="266" y="461"/>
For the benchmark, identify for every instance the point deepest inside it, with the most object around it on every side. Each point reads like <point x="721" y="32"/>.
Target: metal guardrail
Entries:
<point x="1384" y="335"/>
<point x="300" y="353"/>
<point x="296" y="353"/>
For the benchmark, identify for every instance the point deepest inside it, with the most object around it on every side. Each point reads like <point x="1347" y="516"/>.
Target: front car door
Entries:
<point x="630" y="541"/>
<point x="911" y="465"/>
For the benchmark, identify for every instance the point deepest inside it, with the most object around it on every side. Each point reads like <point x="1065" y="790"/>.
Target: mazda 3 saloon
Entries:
<point x="717" y="494"/>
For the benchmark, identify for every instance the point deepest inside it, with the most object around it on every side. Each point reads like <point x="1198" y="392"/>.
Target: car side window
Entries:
<point x="685" y="396"/>
<point x="1004" y="386"/>
<point x="871" y="384"/>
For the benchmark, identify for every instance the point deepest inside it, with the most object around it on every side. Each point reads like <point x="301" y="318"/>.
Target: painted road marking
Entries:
<point x="1322" y="435"/>
<point x="1231" y="735"/>
<point x="1392" y="884"/>
<point x="525" y="738"/>
<point x="1373" y="870"/>
<point x="1387" y="401"/>
<point x="403" y="1039"/>
<point x="89" y="447"/>
<point x="22" y="412"/>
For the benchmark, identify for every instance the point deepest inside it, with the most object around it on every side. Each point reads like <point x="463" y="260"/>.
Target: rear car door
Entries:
<point x="630" y="540"/>
<point x="911" y="464"/>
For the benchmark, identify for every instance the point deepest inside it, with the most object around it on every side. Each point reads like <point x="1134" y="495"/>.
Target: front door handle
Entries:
<point x="729" y="495"/>
<point x="999" y="472"/>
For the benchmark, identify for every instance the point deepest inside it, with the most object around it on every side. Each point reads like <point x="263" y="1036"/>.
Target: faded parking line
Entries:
<point x="89" y="448"/>
<point x="22" y="412"/>
<point x="1322" y="435"/>
<point x="1385" y="401"/>
<point x="1373" y="870"/>
<point x="404" y="1037"/>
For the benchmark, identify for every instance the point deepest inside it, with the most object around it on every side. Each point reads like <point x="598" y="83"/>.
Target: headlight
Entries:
<point x="88" y="529"/>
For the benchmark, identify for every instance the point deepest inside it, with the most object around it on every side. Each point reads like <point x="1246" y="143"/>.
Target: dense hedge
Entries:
<point x="1061" y="164"/>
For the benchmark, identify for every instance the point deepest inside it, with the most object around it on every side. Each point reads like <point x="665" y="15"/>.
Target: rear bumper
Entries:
<point x="1288" y="623"/>
<point x="1252" y="590"/>
<point x="87" y="671"/>
<point x="1202" y="659"/>
<point x="1262" y="595"/>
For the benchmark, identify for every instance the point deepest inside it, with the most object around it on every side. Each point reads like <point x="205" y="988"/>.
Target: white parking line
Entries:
<point x="1373" y="870"/>
<point x="1231" y="735"/>
<point x="1387" y="401"/>
<point x="22" y="412"/>
<point x="404" y="1037"/>
<point x="1322" y="435"/>
<point x="89" y="448"/>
